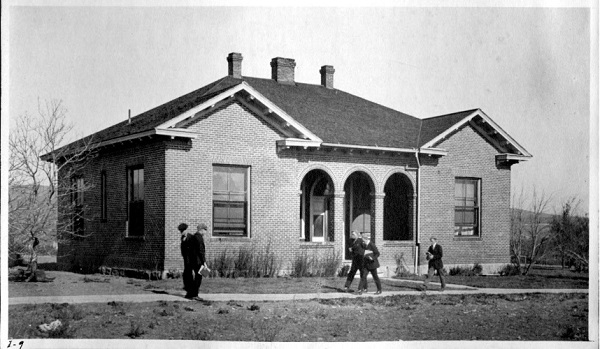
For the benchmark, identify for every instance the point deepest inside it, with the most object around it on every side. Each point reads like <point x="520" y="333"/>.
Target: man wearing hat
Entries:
<point x="188" y="274"/>
<point x="196" y="259"/>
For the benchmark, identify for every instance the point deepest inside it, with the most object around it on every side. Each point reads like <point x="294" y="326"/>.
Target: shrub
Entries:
<point x="477" y="269"/>
<point x="401" y="266"/>
<point x="301" y="265"/>
<point x="509" y="270"/>
<point x="266" y="263"/>
<point x="325" y="265"/>
<point x="222" y="264"/>
<point x="315" y="265"/>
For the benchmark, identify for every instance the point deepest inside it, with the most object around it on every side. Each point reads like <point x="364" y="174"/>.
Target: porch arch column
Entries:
<point x="377" y="219"/>
<point x="412" y="210"/>
<point x="338" y="222"/>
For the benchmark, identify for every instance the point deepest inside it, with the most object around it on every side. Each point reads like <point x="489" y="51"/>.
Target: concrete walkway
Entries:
<point x="224" y="297"/>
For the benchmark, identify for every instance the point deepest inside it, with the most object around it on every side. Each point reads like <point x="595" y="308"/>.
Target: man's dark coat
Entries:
<point x="371" y="260"/>
<point x="436" y="261"/>
<point x="196" y="251"/>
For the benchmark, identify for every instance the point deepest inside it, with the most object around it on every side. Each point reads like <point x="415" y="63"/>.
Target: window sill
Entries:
<point x="135" y="238"/>
<point x="467" y="238"/>
<point x="230" y="238"/>
<point x="398" y="243"/>
<point x="316" y="245"/>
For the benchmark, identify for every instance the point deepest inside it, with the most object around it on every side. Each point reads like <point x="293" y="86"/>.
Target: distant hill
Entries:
<point x="545" y="217"/>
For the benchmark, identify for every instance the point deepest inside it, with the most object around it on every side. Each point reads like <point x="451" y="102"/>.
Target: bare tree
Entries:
<point x="530" y="235"/>
<point x="35" y="189"/>
<point x="570" y="234"/>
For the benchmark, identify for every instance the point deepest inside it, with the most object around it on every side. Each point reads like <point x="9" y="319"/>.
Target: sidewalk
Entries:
<point x="224" y="297"/>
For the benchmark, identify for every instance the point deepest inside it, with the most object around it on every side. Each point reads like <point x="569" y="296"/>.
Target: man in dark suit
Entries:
<point x="371" y="263"/>
<point x="357" y="249"/>
<point x="434" y="255"/>
<point x="188" y="277"/>
<point x="196" y="259"/>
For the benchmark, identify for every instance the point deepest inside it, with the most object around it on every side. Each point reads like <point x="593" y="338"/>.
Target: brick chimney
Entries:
<point x="282" y="70"/>
<point x="327" y="76"/>
<point x="234" y="64"/>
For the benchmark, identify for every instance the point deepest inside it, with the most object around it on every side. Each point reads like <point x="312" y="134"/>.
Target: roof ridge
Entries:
<point x="450" y="114"/>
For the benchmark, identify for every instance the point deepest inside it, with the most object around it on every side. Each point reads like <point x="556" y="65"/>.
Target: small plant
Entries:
<point x="401" y="266"/>
<point x="510" y="270"/>
<point x="477" y="269"/>
<point x="135" y="331"/>
<point x="166" y="312"/>
<point x="344" y="271"/>
<point x="461" y="271"/>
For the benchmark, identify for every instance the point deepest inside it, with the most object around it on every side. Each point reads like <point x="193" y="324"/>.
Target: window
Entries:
<point x="103" y="206"/>
<point x="230" y="200"/>
<point x="77" y="189"/>
<point x="135" y="198"/>
<point x="466" y="207"/>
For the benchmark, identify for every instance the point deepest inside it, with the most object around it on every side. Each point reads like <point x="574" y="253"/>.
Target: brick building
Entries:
<point x="294" y="166"/>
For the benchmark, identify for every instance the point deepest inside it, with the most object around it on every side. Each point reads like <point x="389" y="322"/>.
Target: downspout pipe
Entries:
<point x="418" y="209"/>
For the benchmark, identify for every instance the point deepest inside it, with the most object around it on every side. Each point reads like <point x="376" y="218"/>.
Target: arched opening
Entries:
<point x="316" y="218"/>
<point x="359" y="211"/>
<point x="397" y="208"/>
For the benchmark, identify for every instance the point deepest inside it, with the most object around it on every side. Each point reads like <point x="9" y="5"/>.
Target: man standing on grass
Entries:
<point x="434" y="255"/>
<point x="358" y="251"/>
<point x="188" y="277"/>
<point x="197" y="259"/>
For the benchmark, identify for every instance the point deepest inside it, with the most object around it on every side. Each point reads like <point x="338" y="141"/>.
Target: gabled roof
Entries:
<point x="339" y="117"/>
<point x="306" y="114"/>
<point x="441" y="127"/>
<point x="434" y="126"/>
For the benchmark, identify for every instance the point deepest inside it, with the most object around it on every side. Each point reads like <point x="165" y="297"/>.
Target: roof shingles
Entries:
<point x="333" y="115"/>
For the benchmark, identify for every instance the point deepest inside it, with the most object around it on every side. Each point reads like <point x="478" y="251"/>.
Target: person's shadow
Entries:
<point x="337" y="289"/>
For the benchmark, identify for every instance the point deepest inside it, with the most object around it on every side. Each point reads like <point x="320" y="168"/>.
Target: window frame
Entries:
<point x="460" y="228"/>
<point x="103" y="197"/>
<point x="218" y="230"/>
<point x="130" y="188"/>
<point x="77" y="202"/>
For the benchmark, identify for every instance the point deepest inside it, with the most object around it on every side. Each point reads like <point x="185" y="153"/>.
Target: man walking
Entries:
<point x="371" y="263"/>
<point x="357" y="250"/>
<point x="434" y="255"/>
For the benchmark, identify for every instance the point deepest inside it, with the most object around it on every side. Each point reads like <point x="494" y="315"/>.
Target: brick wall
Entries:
<point x="234" y="135"/>
<point x="107" y="244"/>
<point x="178" y="184"/>
<point x="469" y="155"/>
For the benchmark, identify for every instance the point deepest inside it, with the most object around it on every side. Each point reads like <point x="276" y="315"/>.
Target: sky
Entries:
<point x="526" y="68"/>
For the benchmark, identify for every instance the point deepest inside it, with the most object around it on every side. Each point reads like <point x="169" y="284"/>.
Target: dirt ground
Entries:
<point x="424" y="317"/>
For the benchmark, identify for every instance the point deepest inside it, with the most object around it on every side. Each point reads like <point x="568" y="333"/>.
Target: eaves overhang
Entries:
<point x="250" y="98"/>
<point x="306" y="144"/>
<point x="160" y="132"/>
<point x="491" y="131"/>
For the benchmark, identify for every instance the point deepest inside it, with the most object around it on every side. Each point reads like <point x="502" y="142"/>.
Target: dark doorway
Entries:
<point x="397" y="208"/>
<point x="357" y="207"/>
